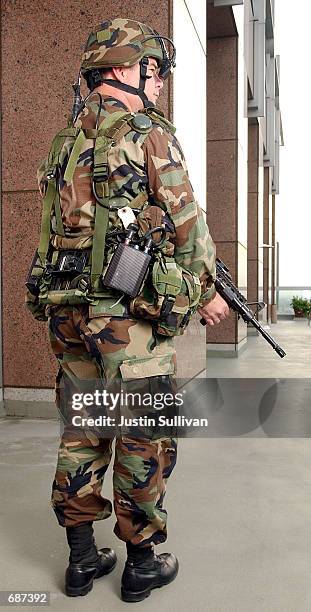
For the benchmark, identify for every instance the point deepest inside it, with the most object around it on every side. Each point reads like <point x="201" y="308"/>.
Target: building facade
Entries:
<point x="244" y="134"/>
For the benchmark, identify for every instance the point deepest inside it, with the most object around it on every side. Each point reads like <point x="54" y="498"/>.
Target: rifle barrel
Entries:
<point x="267" y="337"/>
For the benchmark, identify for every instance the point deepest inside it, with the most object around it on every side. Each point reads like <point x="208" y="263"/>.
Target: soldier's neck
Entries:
<point x="132" y="102"/>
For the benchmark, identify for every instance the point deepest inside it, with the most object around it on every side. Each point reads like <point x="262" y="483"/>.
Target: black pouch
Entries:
<point x="70" y="265"/>
<point x="35" y="274"/>
<point x="33" y="283"/>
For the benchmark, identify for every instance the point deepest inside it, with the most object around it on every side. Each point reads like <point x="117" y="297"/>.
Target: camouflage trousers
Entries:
<point x="110" y="348"/>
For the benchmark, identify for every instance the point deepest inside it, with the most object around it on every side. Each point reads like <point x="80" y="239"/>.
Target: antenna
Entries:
<point x="77" y="100"/>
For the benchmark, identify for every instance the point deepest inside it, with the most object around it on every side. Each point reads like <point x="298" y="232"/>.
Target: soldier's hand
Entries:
<point x="214" y="312"/>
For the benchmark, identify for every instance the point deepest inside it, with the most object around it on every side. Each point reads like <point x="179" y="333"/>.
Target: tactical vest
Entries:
<point x="169" y="285"/>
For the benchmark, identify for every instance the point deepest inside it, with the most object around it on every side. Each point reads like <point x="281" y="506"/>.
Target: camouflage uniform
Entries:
<point x="105" y="341"/>
<point x="141" y="467"/>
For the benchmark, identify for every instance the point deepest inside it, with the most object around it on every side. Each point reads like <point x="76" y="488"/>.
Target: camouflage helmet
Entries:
<point x="124" y="42"/>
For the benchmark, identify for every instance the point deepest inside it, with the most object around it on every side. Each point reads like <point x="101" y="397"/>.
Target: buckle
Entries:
<point x="84" y="284"/>
<point x="101" y="173"/>
<point x="167" y="306"/>
<point x="186" y="318"/>
<point x="50" y="175"/>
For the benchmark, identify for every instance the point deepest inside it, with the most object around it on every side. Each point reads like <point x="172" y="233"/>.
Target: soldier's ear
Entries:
<point x="120" y="73"/>
<point x="116" y="73"/>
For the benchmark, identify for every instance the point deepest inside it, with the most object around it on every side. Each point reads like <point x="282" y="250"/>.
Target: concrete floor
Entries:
<point x="259" y="360"/>
<point x="239" y="521"/>
<point x="239" y="507"/>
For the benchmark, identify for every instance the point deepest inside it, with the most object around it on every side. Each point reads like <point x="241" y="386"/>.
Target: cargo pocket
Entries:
<point x="146" y="385"/>
<point x="146" y="367"/>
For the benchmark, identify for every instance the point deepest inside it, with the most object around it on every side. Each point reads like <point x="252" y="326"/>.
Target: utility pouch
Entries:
<point x="35" y="307"/>
<point x="69" y="265"/>
<point x="34" y="275"/>
<point x="66" y="278"/>
<point x="174" y="321"/>
<point x="169" y="297"/>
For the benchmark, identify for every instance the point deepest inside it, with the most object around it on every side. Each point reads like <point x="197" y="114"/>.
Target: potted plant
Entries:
<point x="301" y="306"/>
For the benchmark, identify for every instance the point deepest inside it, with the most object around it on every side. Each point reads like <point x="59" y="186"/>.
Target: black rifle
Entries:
<point x="238" y="303"/>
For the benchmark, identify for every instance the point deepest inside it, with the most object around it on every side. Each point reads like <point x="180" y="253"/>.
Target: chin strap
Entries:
<point x="136" y="91"/>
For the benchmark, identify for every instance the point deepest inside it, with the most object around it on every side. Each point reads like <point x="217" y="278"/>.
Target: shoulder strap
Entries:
<point x="51" y="197"/>
<point x="158" y="117"/>
<point x="106" y="137"/>
<point x="48" y="201"/>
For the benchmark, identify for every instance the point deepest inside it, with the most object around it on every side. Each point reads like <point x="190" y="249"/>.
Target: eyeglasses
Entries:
<point x="154" y="72"/>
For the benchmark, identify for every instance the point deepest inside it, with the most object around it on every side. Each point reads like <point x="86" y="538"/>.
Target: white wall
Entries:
<point x="189" y="31"/>
<point x="292" y="35"/>
<point x="238" y="12"/>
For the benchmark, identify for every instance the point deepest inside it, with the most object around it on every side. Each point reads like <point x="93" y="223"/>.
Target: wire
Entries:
<point x="100" y="107"/>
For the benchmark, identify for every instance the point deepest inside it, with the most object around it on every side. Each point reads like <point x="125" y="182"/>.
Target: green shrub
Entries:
<point x="301" y="305"/>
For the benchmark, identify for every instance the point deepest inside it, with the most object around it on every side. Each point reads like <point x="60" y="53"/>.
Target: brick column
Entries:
<point x="273" y="267"/>
<point x="224" y="162"/>
<point x="252" y="215"/>
<point x="42" y="43"/>
<point x="266" y="240"/>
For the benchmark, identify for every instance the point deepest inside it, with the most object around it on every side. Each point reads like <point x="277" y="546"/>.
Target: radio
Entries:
<point x="129" y="264"/>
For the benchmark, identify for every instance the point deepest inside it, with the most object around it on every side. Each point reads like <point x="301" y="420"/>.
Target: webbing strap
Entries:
<point x="115" y="130"/>
<point x="122" y="130"/>
<point x="111" y="122"/>
<point x="58" y="215"/>
<point x="100" y="169"/>
<point x="139" y="200"/>
<point x="90" y="133"/>
<point x="158" y="117"/>
<point x="99" y="238"/>
<point x="45" y="221"/>
<point x="190" y="290"/>
<point x="69" y="131"/>
<point x="58" y="142"/>
<point x="74" y="156"/>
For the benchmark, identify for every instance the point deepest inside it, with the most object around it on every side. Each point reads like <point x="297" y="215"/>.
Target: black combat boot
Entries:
<point x="85" y="561"/>
<point x="145" y="571"/>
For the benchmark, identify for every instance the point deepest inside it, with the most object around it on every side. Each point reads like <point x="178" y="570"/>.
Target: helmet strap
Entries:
<point x="136" y="91"/>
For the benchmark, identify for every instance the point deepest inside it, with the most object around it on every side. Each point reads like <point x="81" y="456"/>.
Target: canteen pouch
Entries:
<point x="169" y="298"/>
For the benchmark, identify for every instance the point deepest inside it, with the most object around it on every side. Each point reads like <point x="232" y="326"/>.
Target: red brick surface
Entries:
<point x="42" y="43"/>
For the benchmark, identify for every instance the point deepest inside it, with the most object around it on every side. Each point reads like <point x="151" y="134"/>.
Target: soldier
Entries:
<point x="124" y="65"/>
